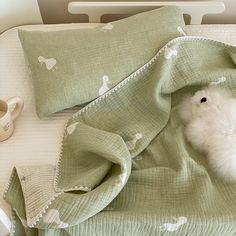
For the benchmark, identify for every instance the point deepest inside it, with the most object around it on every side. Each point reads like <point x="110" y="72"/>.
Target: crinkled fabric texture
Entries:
<point x="125" y="167"/>
<point x="65" y="65"/>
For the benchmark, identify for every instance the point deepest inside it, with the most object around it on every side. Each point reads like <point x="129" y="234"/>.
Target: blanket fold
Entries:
<point x="125" y="167"/>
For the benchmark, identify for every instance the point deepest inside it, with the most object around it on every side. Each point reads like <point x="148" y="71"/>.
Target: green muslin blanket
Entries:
<point x="125" y="167"/>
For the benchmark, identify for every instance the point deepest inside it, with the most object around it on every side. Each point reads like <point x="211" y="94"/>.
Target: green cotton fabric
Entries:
<point x="125" y="167"/>
<point x="66" y="64"/>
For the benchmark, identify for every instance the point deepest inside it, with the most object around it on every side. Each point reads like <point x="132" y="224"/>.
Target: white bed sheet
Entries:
<point x="38" y="141"/>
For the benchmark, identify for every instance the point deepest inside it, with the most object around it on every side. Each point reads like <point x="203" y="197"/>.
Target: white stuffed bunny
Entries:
<point x="209" y="118"/>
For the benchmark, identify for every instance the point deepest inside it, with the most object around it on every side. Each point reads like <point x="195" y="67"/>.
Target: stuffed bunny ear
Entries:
<point x="219" y="81"/>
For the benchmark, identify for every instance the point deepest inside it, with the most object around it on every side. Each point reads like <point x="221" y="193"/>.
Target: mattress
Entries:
<point x="38" y="141"/>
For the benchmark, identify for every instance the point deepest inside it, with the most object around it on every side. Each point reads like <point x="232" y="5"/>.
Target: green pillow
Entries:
<point x="73" y="67"/>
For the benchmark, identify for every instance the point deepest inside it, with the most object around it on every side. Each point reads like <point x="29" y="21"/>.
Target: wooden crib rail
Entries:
<point x="95" y="10"/>
<point x="15" y="12"/>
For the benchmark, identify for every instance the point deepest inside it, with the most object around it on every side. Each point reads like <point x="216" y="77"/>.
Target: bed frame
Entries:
<point x="95" y="10"/>
<point x="14" y="12"/>
<point x="19" y="12"/>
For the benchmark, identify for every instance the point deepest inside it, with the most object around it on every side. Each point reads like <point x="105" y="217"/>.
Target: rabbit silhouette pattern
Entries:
<point x="170" y="52"/>
<point x="181" y="31"/>
<point x="132" y="143"/>
<point x="50" y="63"/>
<point x="104" y="88"/>
<point x="174" y="226"/>
<point x="107" y="27"/>
<point x="71" y="128"/>
<point x="52" y="216"/>
<point x="209" y="119"/>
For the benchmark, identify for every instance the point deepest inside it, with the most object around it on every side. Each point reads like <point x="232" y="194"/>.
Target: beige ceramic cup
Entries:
<point x="7" y="116"/>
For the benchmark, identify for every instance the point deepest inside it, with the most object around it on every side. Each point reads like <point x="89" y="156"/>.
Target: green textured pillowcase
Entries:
<point x="72" y="67"/>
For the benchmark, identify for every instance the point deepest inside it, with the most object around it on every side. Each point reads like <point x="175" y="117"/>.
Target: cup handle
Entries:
<point x="19" y="104"/>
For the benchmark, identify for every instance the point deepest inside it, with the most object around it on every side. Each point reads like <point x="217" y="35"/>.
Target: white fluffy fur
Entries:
<point x="211" y="128"/>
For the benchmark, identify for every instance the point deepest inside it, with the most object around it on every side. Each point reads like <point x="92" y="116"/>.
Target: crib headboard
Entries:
<point x="15" y="12"/>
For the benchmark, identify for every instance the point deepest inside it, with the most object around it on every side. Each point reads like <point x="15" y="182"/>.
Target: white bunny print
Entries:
<point x="107" y="27"/>
<point x="104" y="88"/>
<point x="132" y="143"/>
<point x="170" y="52"/>
<point x="50" y="63"/>
<point x="181" y="31"/>
<point x="71" y="128"/>
<point x="219" y="81"/>
<point x="122" y="178"/>
<point x="52" y="216"/>
<point x="174" y="226"/>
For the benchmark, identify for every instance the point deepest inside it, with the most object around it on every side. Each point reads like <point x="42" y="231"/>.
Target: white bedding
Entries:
<point x="38" y="141"/>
